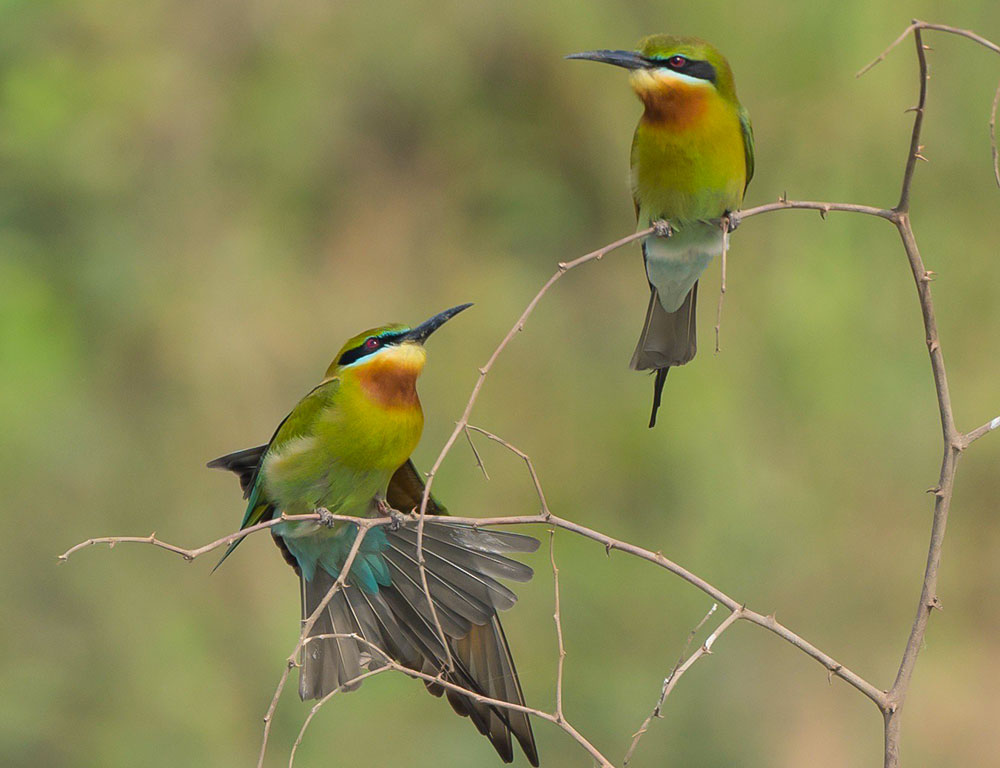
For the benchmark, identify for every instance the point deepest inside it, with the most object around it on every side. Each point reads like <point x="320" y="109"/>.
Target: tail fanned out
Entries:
<point x="464" y="565"/>
<point x="668" y="339"/>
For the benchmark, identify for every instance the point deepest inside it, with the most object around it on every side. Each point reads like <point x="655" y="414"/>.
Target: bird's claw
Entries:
<point x="732" y="221"/>
<point x="662" y="228"/>
<point x="395" y="516"/>
<point x="326" y="517"/>
<point x="397" y="519"/>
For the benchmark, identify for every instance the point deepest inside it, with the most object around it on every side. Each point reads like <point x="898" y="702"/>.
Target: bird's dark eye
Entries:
<point x="372" y="343"/>
<point x="677" y="62"/>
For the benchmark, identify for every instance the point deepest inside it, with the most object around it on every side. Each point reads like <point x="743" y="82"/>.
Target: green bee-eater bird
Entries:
<point x="346" y="448"/>
<point x="692" y="158"/>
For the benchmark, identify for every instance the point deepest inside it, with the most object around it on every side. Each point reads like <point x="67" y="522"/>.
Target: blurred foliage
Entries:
<point x="201" y="200"/>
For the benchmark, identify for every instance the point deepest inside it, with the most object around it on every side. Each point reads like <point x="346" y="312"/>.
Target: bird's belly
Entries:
<point x="302" y="476"/>
<point x="674" y="264"/>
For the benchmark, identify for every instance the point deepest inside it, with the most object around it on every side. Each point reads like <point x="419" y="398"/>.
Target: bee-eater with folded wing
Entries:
<point x="692" y="158"/>
<point x="345" y="448"/>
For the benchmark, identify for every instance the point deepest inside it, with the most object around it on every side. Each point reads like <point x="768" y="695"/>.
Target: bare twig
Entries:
<point x="916" y="26"/>
<point x="330" y="695"/>
<point x="970" y="437"/>
<point x="766" y="621"/>
<point x="387" y="663"/>
<point x="475" y="452"/>
<point x="667" y="684"/>
<point x="610" y="544"/>
<point x="527" y="462"/>
<point x="903" y="205"/>
<point x="722" y="282"/>
<point x="736" y="217"/>
<point x="557" y="618"/>
<point x="189" y="554"/>
<point x="518" y="326"/>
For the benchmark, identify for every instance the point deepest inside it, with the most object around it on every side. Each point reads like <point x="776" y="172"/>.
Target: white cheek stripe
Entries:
<point x="663" y="73"/>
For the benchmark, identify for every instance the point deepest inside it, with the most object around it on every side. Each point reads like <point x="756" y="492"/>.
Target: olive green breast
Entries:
<point x="691" y="168"/>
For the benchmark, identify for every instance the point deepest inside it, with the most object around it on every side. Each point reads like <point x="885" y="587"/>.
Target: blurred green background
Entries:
<point x="200" y="200"/>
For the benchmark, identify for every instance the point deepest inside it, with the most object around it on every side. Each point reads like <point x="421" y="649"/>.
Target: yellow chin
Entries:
<point x="405" y="357"/>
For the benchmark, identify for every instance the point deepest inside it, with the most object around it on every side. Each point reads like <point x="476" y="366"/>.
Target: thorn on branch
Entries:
<point x="928" y="276"/>
<point x="935" y="604"/>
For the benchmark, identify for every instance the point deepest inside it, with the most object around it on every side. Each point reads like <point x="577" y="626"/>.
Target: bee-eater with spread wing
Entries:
<point x="346" y="448"/>
<point x="692" y="158"/>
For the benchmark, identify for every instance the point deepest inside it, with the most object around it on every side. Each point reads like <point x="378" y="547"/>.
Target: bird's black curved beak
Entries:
<point x="426" y="328"/>
<point x="627" y="59"/>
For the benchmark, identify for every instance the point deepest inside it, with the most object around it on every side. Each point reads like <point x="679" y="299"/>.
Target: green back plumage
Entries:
<point x="747" y="143"/>
<point x="296" y="424"/>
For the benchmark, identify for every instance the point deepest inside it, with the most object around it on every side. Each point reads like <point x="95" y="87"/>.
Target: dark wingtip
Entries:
<point x="531" y="754"/>
<point x="661" y="378"/>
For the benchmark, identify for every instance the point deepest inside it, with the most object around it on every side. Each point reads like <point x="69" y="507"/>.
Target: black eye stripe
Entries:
<point x="702" y="70"/>
<point x="356" y="353"/>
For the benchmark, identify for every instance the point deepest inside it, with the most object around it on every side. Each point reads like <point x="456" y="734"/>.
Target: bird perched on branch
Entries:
<point x="692" y="158"/>
<point x="345" y="448"/>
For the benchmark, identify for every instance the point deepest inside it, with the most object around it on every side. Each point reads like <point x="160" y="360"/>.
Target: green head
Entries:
<point x="671" y="61"/>
<point x="390" y="346"/>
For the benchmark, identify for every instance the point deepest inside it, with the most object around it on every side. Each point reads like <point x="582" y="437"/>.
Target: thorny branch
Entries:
<point x="889" y="702"/>
<point x="463" y="422"/>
